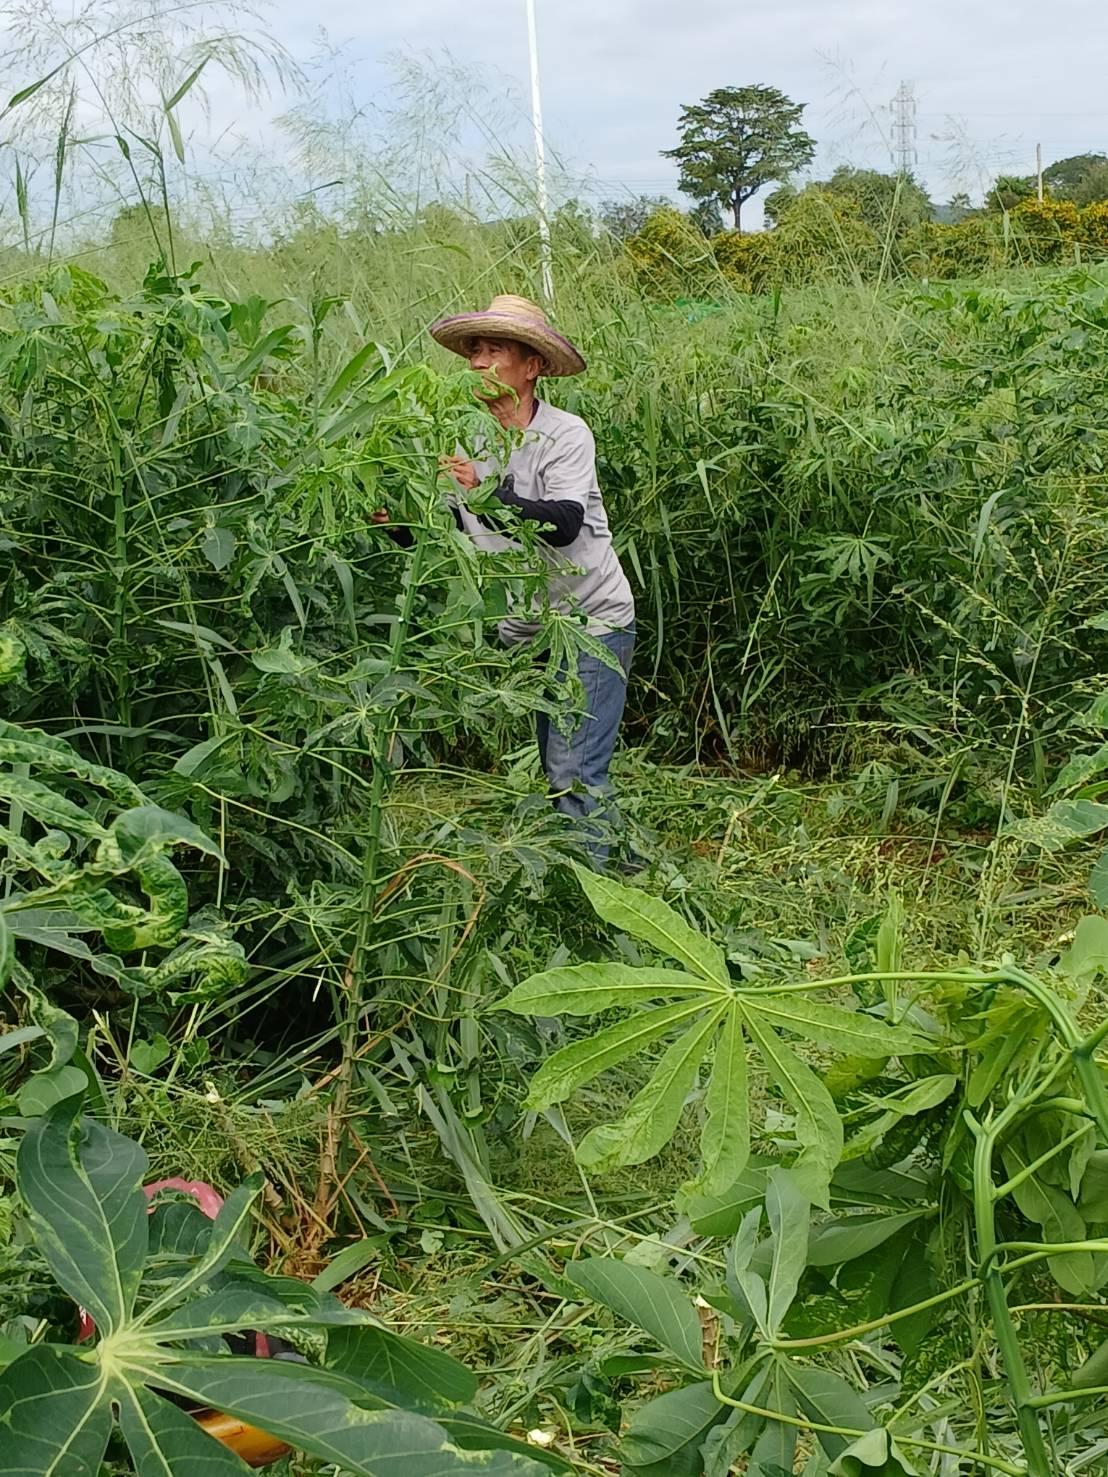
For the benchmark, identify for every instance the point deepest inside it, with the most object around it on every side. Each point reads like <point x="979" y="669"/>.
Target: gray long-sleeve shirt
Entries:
<point x="557" y="463"/>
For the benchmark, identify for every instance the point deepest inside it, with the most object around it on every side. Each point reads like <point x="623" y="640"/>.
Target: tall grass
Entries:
<point x="854" y="513"/>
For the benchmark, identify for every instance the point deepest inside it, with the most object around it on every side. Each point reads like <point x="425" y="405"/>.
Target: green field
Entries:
<point x="788" y="1154"/>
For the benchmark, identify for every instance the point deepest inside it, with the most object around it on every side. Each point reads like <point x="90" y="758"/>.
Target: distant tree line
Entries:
<point x="737" y="141"/>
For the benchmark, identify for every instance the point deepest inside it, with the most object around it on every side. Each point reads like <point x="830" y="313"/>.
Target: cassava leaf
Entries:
<point x="10" y="1040"/>
<point x="319" y="1413"/>
<point x="1094" y="1372"/>
<point x="54" y="1415"/>
<point x="43" y="753"/>
<point x="745" y="1279"/>
<point x="57" y="1025"/>
<point x="473" y="1434"/>
<point x="583" y="1060"/>
<point x="721" y="1215"/>
<point x="45" y="1090"/>
<point x="853" y="1236"/>
<point x="165" y="1441"/>
<point x="775" y="1450"/>
<point x="1021" y="1023"/>
<point x="726" y="1443"/>
<point x="586" y="989"/>
<point x="1080" y="769"/>
<point x="1070" y="820"/>
<point x="857" y="1184"/>
<point x="1093" y="1202"/>
<point x="1098" y="882"/>
<point x="875" y="1454"/>
<point x="1087" y="956"/>
<point x="656" y="1304"/>
<point x="725" y="1139"/>
<point x="651" y="1120"/>
<point x="827" y="1399"/>
<point x="665" y="1435"/>
<point x="243" y="1301"/>
<point x="787" y="1209"/>
<point x="847" y="1031"/>
<point x="281" y="661"/>
<point x="48" y="807"/>
<point x="127" y="928"/>
<point x="1052" y="1209"/>
<point x="147" y="831"/>
<point x="233" y="1216"/>
<point x="82" y="1186"/>
<point x="217" y="544"/>
<point x="909" y="1102"/>
<point x="403" y="1371"/>
<point x="655" y="923"/>
<point x="819" y="1130"/>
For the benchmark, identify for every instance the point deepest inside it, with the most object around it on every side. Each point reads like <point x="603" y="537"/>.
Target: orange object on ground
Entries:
<point x="254" y="1447"/>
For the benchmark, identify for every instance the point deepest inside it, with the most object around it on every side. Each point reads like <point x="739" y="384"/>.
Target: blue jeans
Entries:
<point x="576" y="764"/>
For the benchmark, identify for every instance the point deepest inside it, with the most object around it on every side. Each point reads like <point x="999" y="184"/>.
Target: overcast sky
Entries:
<point x="991" y="78"/>
<point x="1000" y="74"/>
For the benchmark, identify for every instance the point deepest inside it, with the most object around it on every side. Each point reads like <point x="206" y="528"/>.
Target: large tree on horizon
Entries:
<point x="737" y="140"/>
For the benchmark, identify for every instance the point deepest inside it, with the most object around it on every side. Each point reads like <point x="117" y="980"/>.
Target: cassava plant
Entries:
<point x="82" y="842"/>
<point x="1006" y="1111"/>
<point x="191" y="568"/>
<point x="165" y="1292"/>
<point x="720" y="1017"/>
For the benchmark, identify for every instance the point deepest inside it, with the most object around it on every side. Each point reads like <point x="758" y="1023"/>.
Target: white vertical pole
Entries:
<point x="540" y="159"/>
<point x="1039" y="171"/>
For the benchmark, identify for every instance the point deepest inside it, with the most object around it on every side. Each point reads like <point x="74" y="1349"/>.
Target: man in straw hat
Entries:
<point x="550" y="479"/>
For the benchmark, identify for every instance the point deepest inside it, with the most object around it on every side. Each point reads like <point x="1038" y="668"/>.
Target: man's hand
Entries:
<point x="463" y="472"/>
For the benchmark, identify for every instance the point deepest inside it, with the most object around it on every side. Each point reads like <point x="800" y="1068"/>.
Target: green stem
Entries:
<point x="1092" y="1041"/>
<point x="1043" y="994"/>
<point x="941" y="976"/>
<point x="380" y="754"/>
<point x="843" y="1334"/>
<point x="984" y="1207"/>
<point x="1092" y="1081"/>
<point x="1038" y="1252"/>
<point x="1061" y="1397"/>
<point x="1001" y="1191"/>
<point x="120" y="577"/>
<point x="1071" y="1105"/>
<point x="996" y="1463"/>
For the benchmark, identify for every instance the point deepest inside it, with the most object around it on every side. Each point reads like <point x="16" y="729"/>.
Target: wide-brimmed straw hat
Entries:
<point x="514" y="318"/>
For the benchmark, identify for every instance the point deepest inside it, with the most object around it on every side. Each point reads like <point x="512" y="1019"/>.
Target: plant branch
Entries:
<point x="998" y="1464"/>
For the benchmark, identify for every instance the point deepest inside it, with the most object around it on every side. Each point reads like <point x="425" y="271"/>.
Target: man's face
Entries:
<point x="504" y="362"/>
